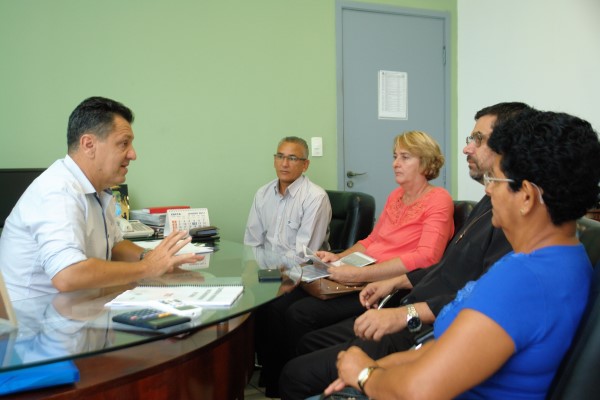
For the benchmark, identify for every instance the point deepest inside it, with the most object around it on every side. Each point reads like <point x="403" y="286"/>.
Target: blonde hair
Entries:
<point x="422" y="145"/>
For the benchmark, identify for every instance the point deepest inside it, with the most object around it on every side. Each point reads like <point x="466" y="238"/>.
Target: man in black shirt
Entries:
<point x="380" y="332"/>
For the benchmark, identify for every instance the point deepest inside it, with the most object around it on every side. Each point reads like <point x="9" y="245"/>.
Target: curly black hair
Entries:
<point x="558" y="152"/>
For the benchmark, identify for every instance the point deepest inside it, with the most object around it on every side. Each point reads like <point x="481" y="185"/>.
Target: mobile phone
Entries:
<point x="269" y="275"/>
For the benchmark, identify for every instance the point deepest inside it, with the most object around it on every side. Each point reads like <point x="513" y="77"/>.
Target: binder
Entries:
<point x="58" y="373"/>
<point x="163" y="209"/>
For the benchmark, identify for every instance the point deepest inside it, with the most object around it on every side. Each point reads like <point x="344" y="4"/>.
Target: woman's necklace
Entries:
<point x="407" y="199"/>
<point x="464" y="232"/>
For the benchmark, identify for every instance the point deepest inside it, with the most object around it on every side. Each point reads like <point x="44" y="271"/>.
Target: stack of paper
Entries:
<point x="148" y="218"/>
<point x="195" y="248"/>
<point x="155" y="216"/>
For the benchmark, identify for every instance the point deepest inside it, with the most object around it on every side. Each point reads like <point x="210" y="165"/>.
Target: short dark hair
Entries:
<point x="556" y="151"/>
<point x="502" y="111"/>
<point x="94" y="114"/>
<point x="297" y="140"/>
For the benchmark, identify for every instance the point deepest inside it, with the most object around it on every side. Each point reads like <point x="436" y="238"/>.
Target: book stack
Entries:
<point x="155" y="217"/>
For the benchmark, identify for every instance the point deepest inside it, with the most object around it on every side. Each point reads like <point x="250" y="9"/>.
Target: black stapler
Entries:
<point x="204" y="233"/>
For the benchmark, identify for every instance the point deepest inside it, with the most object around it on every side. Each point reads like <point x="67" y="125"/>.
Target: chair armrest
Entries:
<point x="386" y="299"/>
<point x="397" y="298"/>
<point x="424" y="336"/>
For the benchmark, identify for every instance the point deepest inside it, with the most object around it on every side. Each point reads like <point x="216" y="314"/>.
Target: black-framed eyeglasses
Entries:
<point x="292" y="159"/>
<point x="476" y="137"/>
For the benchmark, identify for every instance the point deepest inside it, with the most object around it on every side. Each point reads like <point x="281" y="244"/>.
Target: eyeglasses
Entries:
<point x="540" y="191"/>
<point x="477" y="137"/>
<point x="292" y="159"/>
<point x="487" y="179"/>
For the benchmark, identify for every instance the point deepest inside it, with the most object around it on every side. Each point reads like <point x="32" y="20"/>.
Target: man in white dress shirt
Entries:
<point x="62" y="234"/>
<point x="289" y="212"/>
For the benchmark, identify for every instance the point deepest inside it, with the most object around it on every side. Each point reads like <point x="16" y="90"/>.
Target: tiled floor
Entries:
<point x="253" y="392"/>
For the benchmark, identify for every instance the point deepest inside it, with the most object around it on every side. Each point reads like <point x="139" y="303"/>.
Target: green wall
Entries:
<point x="214" y="86"/>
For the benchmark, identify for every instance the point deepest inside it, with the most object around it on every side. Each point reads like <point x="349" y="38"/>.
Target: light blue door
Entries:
<point x="370" y="39"/>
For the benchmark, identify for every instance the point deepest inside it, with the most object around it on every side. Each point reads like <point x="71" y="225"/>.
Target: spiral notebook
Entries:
<point x="181" y="277"/>
<point x="205" y="296"/>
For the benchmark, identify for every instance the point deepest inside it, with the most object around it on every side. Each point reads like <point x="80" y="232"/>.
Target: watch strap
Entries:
<point x="412" y="311"/>
<point x="364" y="375"/>
<point x="413" y="322"/>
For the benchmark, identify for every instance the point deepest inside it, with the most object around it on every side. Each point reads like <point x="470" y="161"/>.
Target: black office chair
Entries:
<point x="577" y="377"/>
<point x="588" y="232"/>
<point x="352" y="219"/>
<point x="462" y="209"/>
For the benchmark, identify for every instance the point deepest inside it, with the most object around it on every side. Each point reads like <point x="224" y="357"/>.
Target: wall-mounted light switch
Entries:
<point x="316" y="145"/>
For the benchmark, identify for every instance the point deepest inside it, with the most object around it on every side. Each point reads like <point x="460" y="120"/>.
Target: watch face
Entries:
<point x="414" y="324"/>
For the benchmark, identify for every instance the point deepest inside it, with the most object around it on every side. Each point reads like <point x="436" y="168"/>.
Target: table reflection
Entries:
<point x="71" y="325"/>
<point x="52" y="327"/>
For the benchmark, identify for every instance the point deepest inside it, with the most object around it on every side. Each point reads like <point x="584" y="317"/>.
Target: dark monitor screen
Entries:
<point x="13" y="183"/>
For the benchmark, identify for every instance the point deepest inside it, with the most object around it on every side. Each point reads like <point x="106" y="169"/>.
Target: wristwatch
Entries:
<point x="364" y="375"/>
<point x="413" y="322"/>
<point x="144" y="252"/>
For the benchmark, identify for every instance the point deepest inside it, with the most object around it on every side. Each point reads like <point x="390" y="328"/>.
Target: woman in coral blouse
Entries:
<point x="416" y="223"/>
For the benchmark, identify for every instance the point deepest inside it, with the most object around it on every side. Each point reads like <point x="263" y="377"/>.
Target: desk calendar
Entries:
<point x="186" y="219"/>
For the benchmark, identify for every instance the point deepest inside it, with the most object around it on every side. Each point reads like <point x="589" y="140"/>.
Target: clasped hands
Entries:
<point x="349" y="364"/>
<point x="376" y="323"/>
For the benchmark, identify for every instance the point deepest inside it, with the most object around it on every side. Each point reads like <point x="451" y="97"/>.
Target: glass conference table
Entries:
<point x="77" y="325"/>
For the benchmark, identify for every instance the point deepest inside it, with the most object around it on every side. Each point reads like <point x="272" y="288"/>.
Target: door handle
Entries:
<point x="351" y="174"/>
